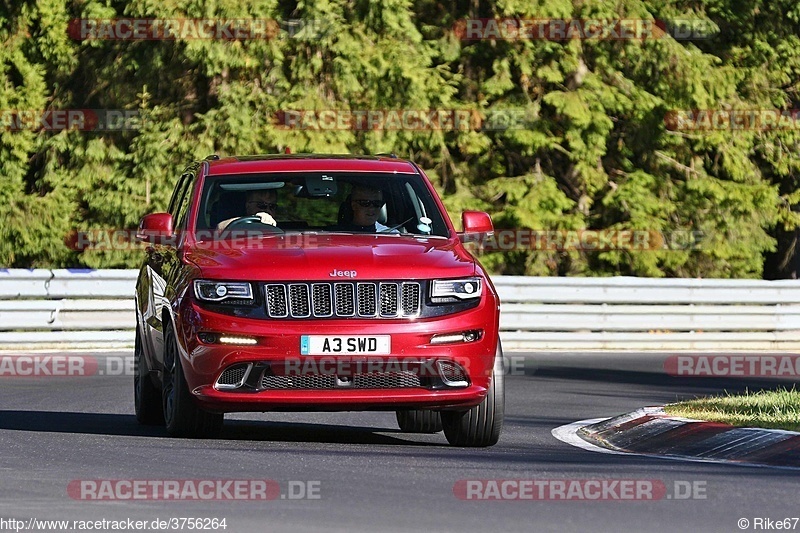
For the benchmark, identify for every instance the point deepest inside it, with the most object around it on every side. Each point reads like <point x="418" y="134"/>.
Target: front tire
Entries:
<point x="182" y="416"/>
<point x="146" y="396"/>
<point x="481" y="425"/>
<point x="419" y="421"/>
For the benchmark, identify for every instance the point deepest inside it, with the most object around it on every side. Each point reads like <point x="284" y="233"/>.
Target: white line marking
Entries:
<point x="569" y="434"/>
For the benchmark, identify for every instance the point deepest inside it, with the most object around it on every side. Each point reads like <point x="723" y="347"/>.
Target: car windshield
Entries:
<point x="277" y="203"/>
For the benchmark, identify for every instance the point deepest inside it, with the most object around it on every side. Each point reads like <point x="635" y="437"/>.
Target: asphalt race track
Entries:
<point x="364" y="475"/>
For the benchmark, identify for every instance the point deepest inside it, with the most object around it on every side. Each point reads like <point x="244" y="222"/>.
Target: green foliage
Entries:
<point x="773" y="409"/>
<point x="593" y="150"/>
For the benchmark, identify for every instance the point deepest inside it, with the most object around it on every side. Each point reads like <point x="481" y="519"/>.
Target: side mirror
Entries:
<point x="155" y="228"/>
<point x="477" y="222"/>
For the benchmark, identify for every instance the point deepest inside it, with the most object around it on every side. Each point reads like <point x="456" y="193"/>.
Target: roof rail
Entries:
<point x="392" y="155"/>
<point x="212" y="157"/>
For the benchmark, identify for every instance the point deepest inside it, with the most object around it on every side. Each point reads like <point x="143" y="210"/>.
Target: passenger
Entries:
<point x="366" y="203"/>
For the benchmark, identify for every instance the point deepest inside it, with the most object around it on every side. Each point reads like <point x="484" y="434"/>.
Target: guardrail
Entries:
<point x="80" y="308"/>
<point x="625" y="313"/>
<point x="66" y="307"/>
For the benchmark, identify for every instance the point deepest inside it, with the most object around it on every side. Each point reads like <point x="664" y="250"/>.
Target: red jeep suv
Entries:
<point x="315" y="283"/>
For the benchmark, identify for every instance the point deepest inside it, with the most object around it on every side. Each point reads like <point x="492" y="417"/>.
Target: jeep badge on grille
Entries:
<point x="343" y="274"/>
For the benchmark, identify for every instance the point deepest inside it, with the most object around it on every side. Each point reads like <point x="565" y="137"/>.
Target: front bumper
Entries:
<point x="277" y="353"/>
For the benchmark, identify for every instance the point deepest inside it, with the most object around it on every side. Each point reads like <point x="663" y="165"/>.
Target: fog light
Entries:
<point x="471" y="336"/>
<point x="464" y="336"/>
<point x="207" y="337"/>
<point x="230" y="339"/>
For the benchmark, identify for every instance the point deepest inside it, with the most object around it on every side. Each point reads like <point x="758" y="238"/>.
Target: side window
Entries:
<point x="427" y="218"/>
<point x="184" y="202"/>
<point x="177" y="194"/>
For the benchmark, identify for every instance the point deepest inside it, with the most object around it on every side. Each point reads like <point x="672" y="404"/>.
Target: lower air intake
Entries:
<point x="452" y="374"/>
<point x="365" y="380"/>
<point x="232" y="377"/>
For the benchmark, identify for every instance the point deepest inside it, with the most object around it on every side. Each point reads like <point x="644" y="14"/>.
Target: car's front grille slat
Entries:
<point x="299" y="305"/>
<point x="322" y="298"/>
<point x="345" y="299"/>
<point x="276" y="301"/>
<point x="385" y="299"/>
<point x="388" y="299"/>
<point x="367" y="299"/>
<point x="411" y="298"/>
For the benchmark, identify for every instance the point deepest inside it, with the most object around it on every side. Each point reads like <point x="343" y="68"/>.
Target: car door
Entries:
<point x="163" y="266"/>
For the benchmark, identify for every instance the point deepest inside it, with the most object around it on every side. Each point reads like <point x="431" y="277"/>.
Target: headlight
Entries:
<point x="451" y="290"/>
<point x="218" y="291"/>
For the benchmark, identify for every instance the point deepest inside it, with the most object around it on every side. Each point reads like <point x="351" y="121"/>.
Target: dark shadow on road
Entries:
<point x="239" y="430"/>
<point x="507" y="458"/>
<point x="323" y="433"/>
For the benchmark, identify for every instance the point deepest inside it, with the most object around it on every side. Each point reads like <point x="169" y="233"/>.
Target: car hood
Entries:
<point x="306" y="257"/>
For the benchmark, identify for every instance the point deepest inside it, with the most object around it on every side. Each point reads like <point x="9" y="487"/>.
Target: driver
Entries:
<point x="261" y="203"/>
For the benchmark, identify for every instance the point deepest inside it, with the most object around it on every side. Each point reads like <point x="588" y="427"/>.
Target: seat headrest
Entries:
<point x="345" y="215"/>
<point x="230" y="204"/>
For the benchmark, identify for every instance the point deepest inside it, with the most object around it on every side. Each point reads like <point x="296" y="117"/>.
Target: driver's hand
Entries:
<point x="266" y="218"/>
<point x="224" y="224"/>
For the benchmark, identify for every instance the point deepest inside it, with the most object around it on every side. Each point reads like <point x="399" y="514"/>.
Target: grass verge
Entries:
<point x="773" y="409"/>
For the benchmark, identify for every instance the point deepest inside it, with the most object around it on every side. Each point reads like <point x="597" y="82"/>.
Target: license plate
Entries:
<point x="350" y="345"/>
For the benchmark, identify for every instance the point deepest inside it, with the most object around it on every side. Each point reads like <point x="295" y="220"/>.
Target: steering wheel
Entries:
<point x="252" y="223"/>
<point x="389" y="230"/>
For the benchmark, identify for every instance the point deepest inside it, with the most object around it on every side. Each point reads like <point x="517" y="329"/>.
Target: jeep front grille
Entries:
<point x="385" y="299"/>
